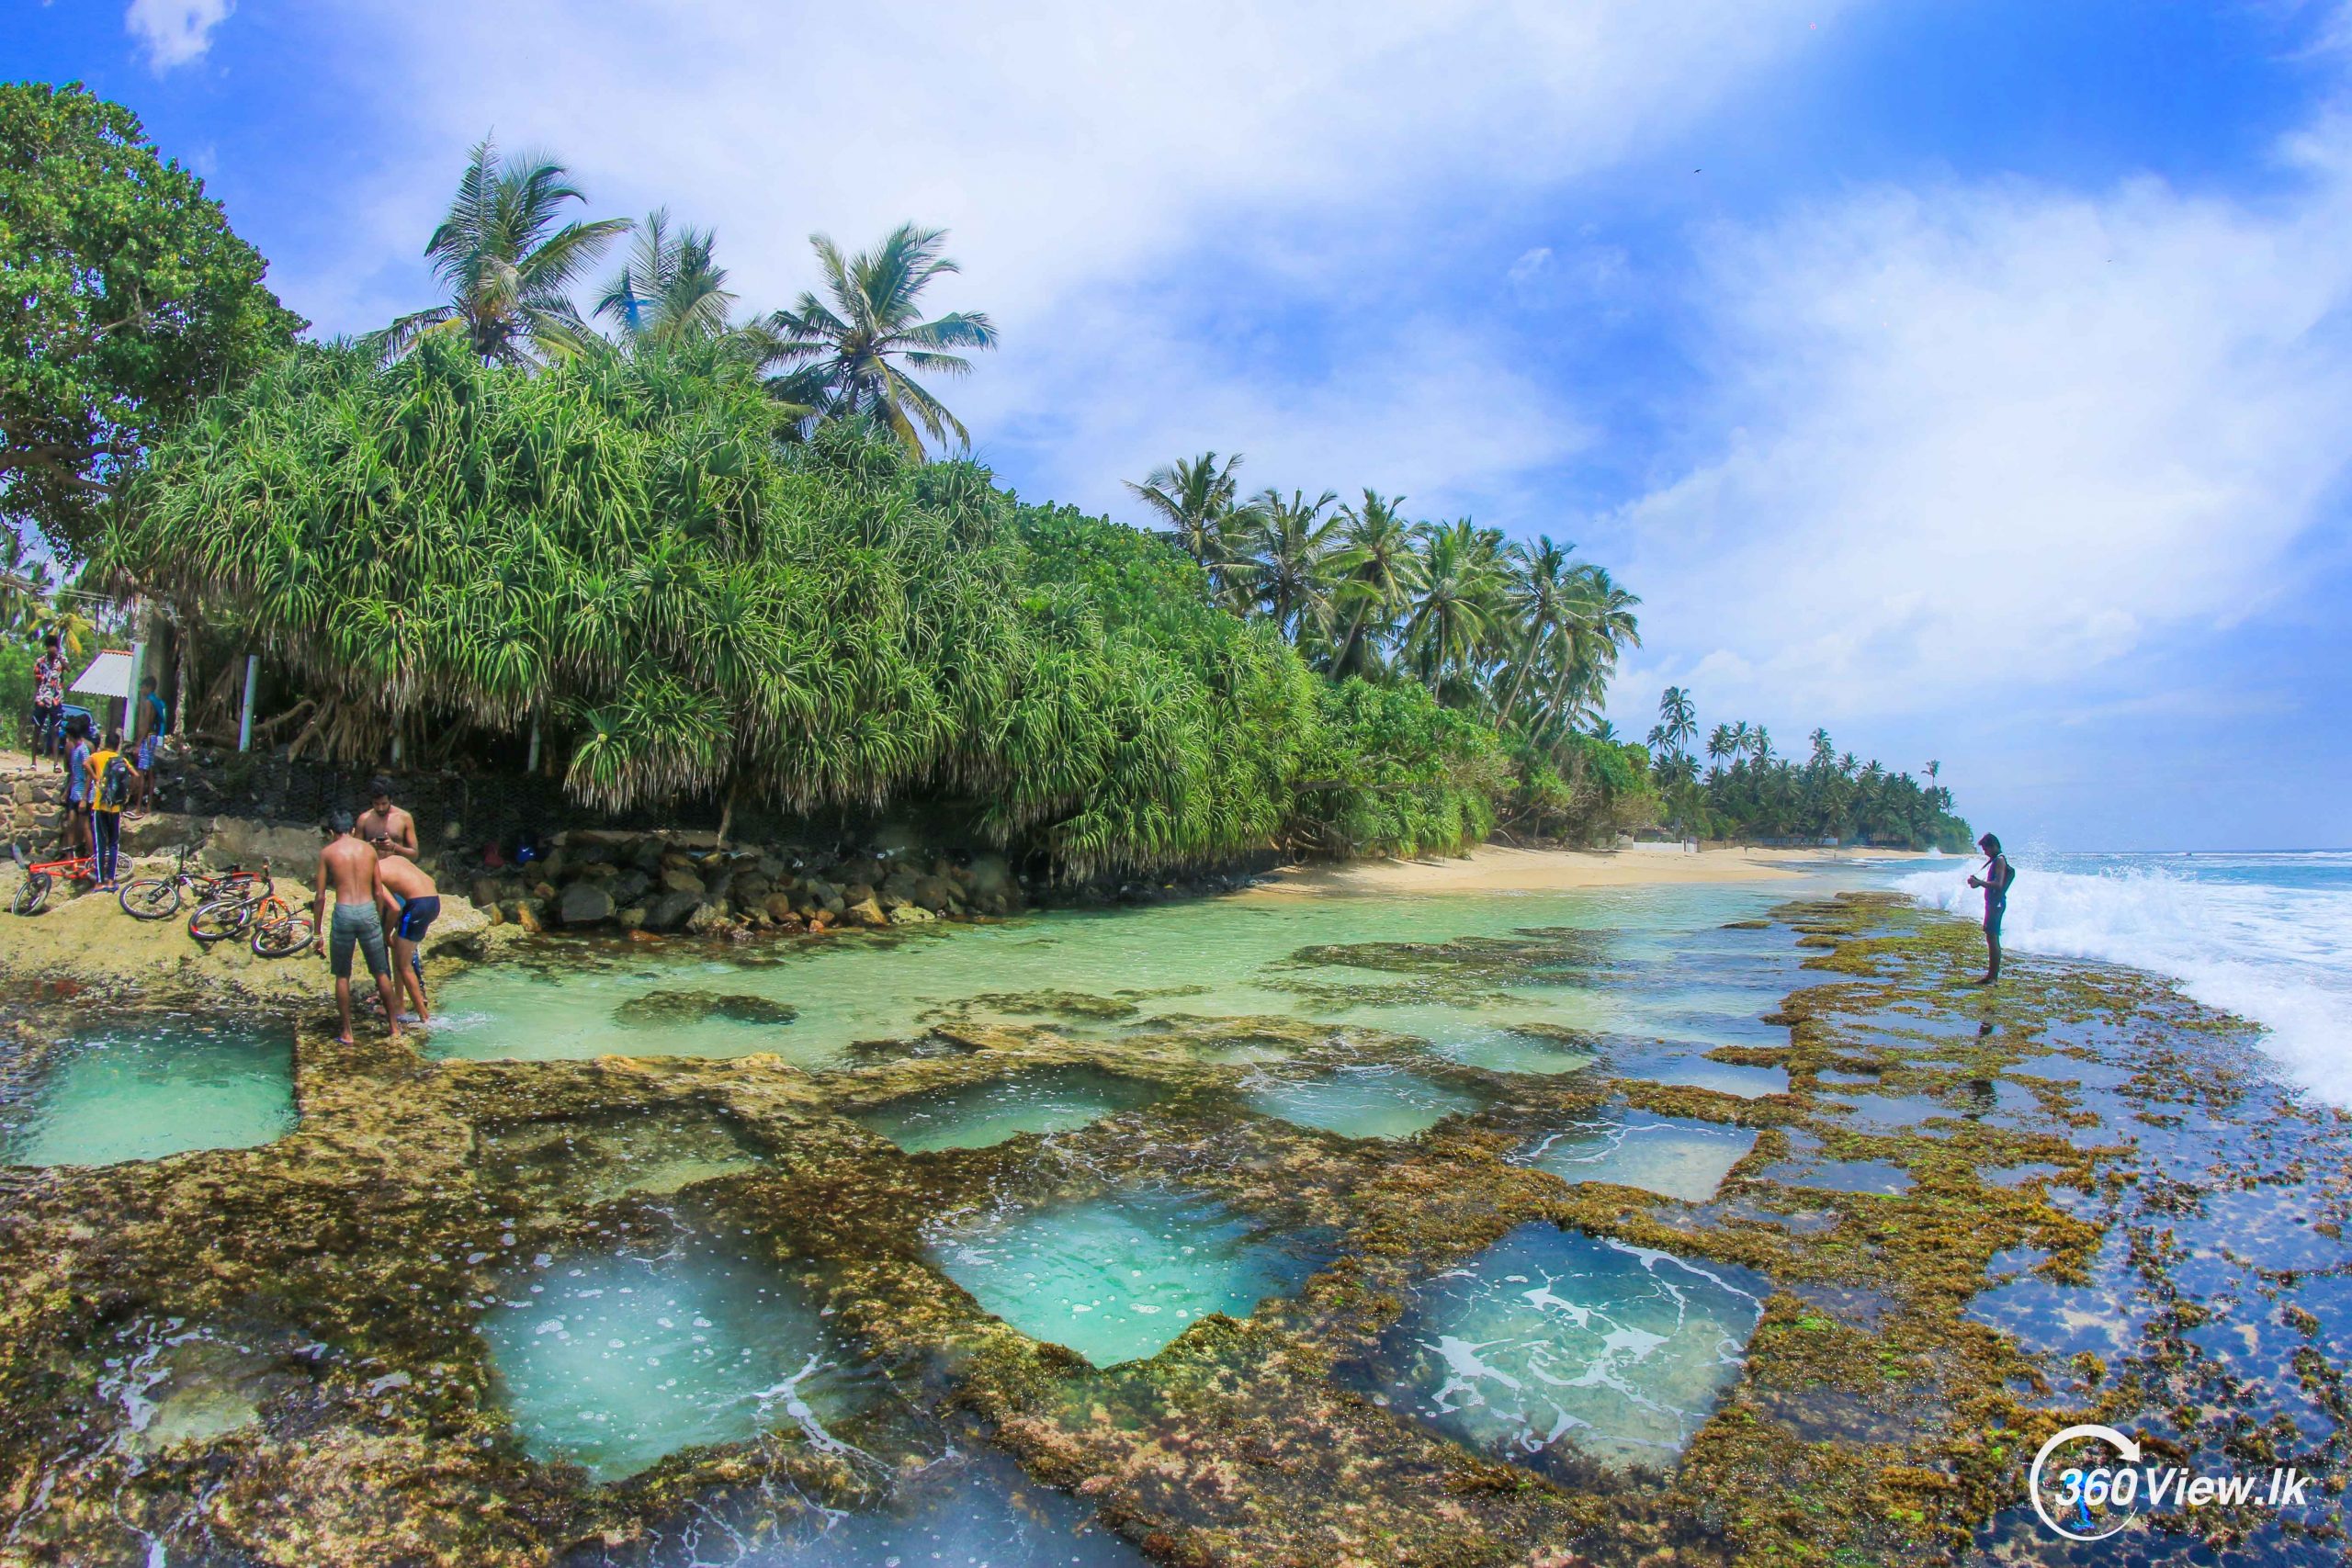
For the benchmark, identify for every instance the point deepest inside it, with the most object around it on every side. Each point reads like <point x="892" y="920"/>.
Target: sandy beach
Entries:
<point x="1492" y="868"/>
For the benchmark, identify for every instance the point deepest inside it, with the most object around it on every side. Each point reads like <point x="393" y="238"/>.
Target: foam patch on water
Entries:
<point x="2234" y="931"/>
<point x="1553" y="1340"/>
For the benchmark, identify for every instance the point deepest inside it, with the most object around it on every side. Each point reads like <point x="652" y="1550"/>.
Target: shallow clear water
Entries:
<point x="1641" y="962"/>
<point x="612" y="1360"/>
<point x="1552" y="1340"/>
<point x="1116" y="1278"/>
<point x="1361" y="1102"/>
<point x="155" y="1088"/>
<point x="1675" y="1156"/>
<point x="1056" y="1100"/>
<point x="593" y="1159"/>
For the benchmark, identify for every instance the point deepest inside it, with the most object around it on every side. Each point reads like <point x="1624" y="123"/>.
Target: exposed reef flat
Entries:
<point x="318" y="1305"/>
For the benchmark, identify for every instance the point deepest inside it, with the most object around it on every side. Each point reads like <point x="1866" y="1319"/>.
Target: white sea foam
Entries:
<point x="2265" y="936"/>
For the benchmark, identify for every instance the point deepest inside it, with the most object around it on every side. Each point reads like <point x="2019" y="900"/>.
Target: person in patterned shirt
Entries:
<point x="49" y="698"/>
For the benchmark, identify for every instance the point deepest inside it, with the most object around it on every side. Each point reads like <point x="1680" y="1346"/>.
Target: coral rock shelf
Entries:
<point x="334" y="1348"/>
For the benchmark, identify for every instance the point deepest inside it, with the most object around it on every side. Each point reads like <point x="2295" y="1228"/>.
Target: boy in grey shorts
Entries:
<point x="347" y="869"/>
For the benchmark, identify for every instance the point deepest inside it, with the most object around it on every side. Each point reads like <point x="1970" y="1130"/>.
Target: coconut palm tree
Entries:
<point x="1538" y="597"/>
<point x="1378" y="571"/>
<point x="1453" y="614"/>
<point x="1721" y="745"/>
<point x="507" y="261"/>
<point x="669" y="288"/>
<point x="1288" y="557"/>
<point x="1195" y="497"/>
<point x="853" y="355"/>
<point x="1678" y="718"/>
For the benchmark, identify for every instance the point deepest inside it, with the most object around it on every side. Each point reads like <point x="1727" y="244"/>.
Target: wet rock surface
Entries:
<point x="300" y="1352"/>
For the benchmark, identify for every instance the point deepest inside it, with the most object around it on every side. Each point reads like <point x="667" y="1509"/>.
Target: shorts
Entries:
<point x="1992" y="913"/>
<point x="44" y="715"/>
<point x="358" y="924"/>
<point x="416" y="916"/>
<point x="147" y="753"/>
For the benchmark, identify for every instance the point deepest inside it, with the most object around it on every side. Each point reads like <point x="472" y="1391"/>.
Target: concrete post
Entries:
<point x="245" y="723"/>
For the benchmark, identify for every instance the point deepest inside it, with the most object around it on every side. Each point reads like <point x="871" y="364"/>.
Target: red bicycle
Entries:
<point x="42" y="875"/>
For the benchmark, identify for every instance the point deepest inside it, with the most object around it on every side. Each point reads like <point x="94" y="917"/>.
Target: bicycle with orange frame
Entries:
<point x="40" y="876"/>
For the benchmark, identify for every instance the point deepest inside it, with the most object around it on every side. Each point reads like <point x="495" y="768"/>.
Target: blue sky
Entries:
<point x="1969" y="376"/>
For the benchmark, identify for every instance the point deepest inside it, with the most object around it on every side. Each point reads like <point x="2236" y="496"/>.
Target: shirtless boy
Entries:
<point x="347" y="869"/>
<point x="386" y="825"/>
<point x="411" y="902"/>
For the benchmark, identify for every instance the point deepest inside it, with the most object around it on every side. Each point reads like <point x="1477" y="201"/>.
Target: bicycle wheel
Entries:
<point x="221" y="920"/>
<point x="151" y="898"/>
<point x="33" y="896"/>
<point x="278" y="931"/>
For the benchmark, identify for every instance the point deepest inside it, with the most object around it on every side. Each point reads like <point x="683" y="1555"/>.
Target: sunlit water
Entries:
<point x="1053" y="1099"/>
<point x="612" y="1360"/>
<point x="1116" y="1277"/>
<point x="1675" y="1156"/>
<point x="142" y="1091"/>
<point x="1659" y="971"/>
<point x="1551" y="1338"/>
<point x="1361" y="1102"/>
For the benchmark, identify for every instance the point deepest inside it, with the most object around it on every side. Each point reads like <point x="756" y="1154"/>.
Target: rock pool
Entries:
<point x="1116" y="1278"/>
<point x="144" y="1088"/>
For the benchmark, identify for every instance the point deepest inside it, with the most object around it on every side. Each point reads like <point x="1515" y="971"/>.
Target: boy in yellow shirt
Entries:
<point x="111" y="789"/>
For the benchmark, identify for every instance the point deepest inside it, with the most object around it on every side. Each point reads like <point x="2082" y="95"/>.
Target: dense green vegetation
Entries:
<point x="1747" y="792"/>
<point x="124" y="299"/>
<point x="699" y="556"/>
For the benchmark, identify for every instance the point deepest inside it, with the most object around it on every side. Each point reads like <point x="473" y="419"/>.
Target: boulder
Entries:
<point x="864" y="912"/>
<point x="668" y="912"/>
<point x="718" y="886"/>
<point x="749" y="887"/>
<point x="628" y="886"/>
<point x="911" y="915"/>
<point x="527" y="914"/>
<point x="678" y="882"/>
<point x="631" y="918"/>
<point x="705" y="919"/>
<point x="901" y="890"/>
<point x="823" y="895"/>
<point x="933" y="893"/>
<point x="857" y="892"/>
<point x="585" y="904"/>
<point x="779" y="907"/>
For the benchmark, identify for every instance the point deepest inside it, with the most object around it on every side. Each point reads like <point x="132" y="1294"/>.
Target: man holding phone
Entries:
<point x="386" y="825"/>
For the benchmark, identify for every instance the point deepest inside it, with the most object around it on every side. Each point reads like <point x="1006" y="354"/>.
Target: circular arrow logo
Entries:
<point x="2085" y="1488"/>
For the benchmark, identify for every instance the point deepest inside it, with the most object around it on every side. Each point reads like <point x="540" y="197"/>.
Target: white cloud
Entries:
<point x="1063" y="141"/>
<point x="174" y="32"/>
<point x="1529" y="263"/>
<point x="1995" y="437"/>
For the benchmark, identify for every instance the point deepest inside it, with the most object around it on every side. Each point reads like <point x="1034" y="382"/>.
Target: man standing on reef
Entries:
<point x="1998" y="875"/>
<point x="347" y="868"/>
<point x="411" y="903"/>
<point x="386" y="825"/>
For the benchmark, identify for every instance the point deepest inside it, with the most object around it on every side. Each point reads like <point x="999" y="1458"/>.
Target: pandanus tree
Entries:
<point x="439" y="549"/>
<point x="853" y="350"/>
<point x="509" y="262"/>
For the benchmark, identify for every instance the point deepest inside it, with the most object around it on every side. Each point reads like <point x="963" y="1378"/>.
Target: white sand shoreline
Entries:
<point x="1491" y="868"/>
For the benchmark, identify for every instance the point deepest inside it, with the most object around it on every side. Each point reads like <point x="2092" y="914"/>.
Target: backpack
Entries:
<point x="2009" y="876"/>
<point x="114" y="788"/>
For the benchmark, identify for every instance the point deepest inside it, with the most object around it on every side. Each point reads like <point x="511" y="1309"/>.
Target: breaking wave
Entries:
<point x="2267" y="937"/>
